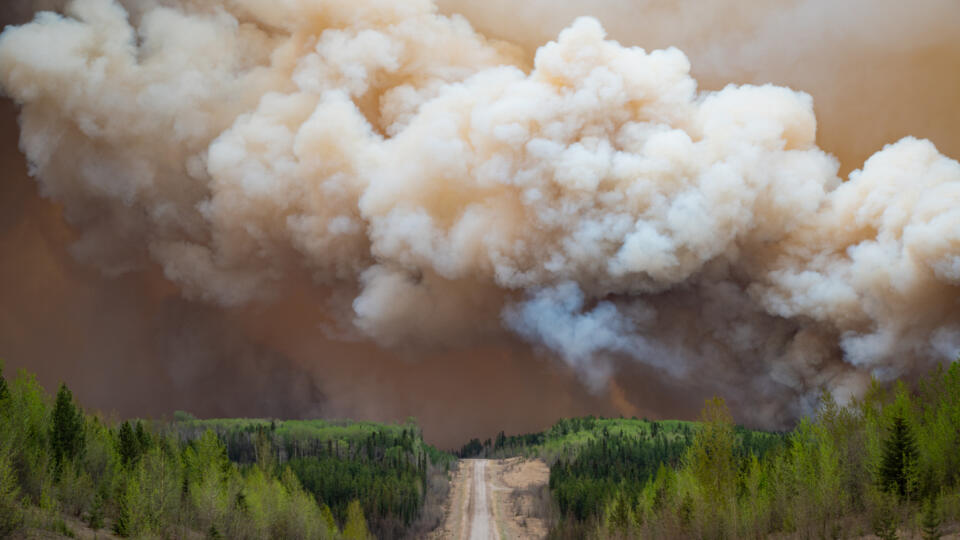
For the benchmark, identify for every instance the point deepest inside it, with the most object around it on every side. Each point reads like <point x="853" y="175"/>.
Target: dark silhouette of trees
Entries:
<point x="66" y="431"/>
<point x="127" y="445"/>
<point x="898" y="469"/>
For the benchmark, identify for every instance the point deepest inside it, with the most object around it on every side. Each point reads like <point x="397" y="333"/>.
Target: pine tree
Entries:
<point x="122" y="526"/>
<point x="930" y="521"/>
<point x="95" y="516"/>
<point x="899" y="459"/>
<point x="66" y="433"/>
<point x="620" y="515"/>
<point x="143" y="438"/>
<point x="128" y="445"/>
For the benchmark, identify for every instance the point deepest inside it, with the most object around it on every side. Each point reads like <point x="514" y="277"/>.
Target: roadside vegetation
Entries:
<point x="235" y="478"/>
<point x="597" y="461"/>
<point x="887" y="465"/>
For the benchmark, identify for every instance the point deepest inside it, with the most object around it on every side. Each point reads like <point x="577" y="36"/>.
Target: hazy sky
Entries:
<point x="128" y="340"/>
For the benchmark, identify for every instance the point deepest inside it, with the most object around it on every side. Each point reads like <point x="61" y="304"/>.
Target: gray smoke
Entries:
<point x="590" y="199"/>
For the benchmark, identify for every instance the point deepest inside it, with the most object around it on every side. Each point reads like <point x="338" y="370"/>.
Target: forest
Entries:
<point x="887" y="464"/>
<point x="62" y="469"/>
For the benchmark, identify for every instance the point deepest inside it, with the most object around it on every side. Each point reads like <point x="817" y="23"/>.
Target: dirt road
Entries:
<point x="493" y="499"/>
<point x="482" y="524"/>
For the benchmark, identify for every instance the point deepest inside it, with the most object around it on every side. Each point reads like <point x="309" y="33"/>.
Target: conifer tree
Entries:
<point x="143" y="438"/>
<point x="95" y="515"/>
<point x="66" y="432"/>
<point x="620" y="515"/>
<point x="930" y="520"/>
<point x="899" y="459"/>
<point x="127" y="444"/>
<point x="122" y="524"/>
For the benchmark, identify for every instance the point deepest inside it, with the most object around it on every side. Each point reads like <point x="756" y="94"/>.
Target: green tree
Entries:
<point x="263" y="446"/>
<point x="898" y="466"/>
<point x="930" y="520"/>
<point x="127" y="444"/>
<point x="143" y="438"/>
<point x="11" y="513"/>
<point x="210" y="479"/>
<point x="711" y="456"/>
<point x="122" y="525"/>
<point x="66" y="432"/>
<point x="95" y="515"/>
<point x="356" y="526"/>
<point x="885" y="520"/>
<point x="619" y="518"/>
<point x="331" y="523"/>
<point x="4" y="391"/>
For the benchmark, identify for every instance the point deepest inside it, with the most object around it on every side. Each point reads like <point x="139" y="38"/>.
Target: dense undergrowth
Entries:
<point x="234" y="478"/>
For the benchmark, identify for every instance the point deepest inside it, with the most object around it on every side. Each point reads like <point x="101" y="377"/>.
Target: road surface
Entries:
<point x="482" y="524"/>
<point x="492" y="499"/>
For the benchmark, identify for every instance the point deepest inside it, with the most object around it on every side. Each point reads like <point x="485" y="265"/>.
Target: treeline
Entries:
<point x="60" y="466"/>
<point x="566" y="436"/>
<point x="502" y="446"/>
<point x="389" y="469"/>
<point x="888" y="464"/>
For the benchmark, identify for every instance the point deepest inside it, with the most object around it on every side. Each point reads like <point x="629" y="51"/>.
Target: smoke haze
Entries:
<point x="370" y="209"/>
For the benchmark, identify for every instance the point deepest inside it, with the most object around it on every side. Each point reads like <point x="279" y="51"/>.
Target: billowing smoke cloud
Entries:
<point x="433" y="187"/>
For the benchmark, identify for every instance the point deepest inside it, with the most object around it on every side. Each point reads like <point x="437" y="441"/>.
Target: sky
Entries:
<point x="375" y="325"/>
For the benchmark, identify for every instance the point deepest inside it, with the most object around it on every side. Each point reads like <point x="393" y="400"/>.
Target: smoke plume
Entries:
<point x="378" y="173"/>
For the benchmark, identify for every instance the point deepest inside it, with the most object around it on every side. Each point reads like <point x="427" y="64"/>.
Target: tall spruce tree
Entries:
<point x="127" y="444"/>
<point x="143" y="438"/>
<point x="898" y="465"/>
<point x="66" y="432"/>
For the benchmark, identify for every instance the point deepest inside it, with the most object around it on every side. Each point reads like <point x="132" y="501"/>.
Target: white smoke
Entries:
<point x="594" y="203"/>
